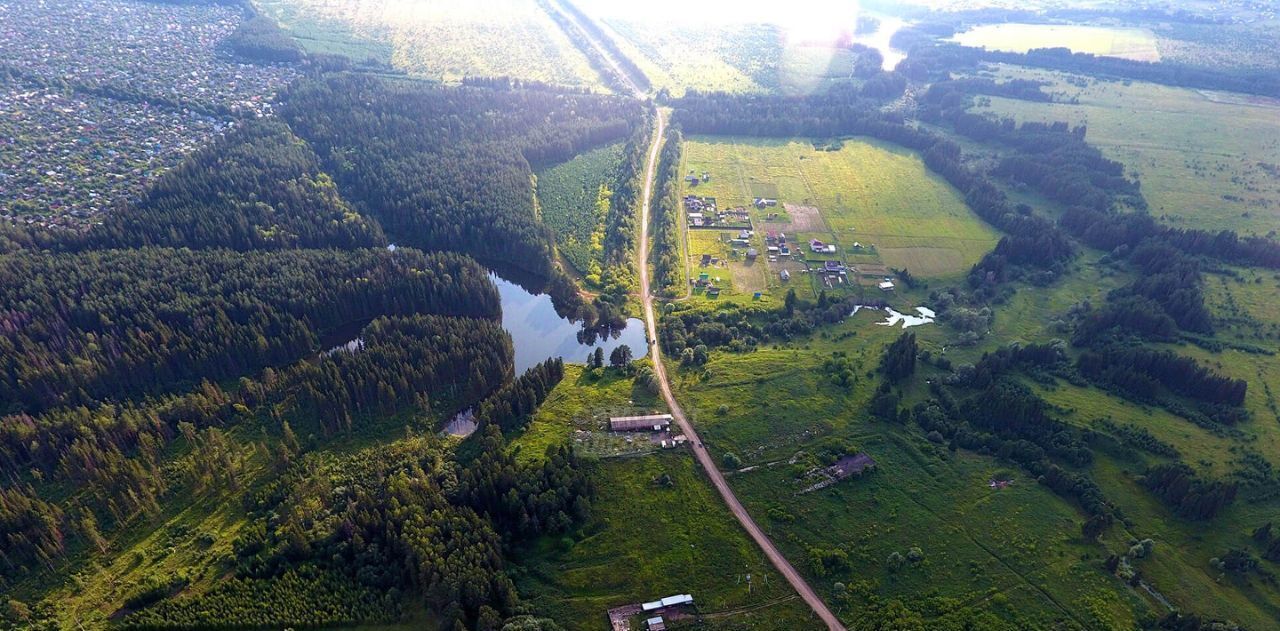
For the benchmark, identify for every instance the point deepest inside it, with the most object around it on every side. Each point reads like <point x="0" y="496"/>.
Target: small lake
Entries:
<point x="539" y="333"/>
<point x="879" y="40"/>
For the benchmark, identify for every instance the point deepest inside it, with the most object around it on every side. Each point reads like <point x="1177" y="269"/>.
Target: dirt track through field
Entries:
<point x="699" y="451"/>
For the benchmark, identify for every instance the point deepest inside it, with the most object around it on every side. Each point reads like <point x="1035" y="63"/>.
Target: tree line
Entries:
<point x="668" y="265"/>
<point x="403" y="520"/>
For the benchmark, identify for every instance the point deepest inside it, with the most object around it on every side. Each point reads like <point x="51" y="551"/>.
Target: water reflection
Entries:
<point x="539" y="333"/>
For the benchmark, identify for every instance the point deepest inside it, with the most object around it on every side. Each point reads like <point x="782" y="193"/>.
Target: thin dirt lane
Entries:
<point x="699" y="451"/>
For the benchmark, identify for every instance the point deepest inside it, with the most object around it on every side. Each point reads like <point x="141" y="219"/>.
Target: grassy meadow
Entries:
<point x="647" y="539"/>
<point x="1128" y="43"/>
<point x="1206" y="160"/>
<point x="440" y="39"/>
<point x="877" y="203"/>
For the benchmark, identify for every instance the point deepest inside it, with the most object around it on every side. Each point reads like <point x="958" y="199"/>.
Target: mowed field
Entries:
<point x="876" y="202"/>
<point x="1206" y="160"/>
<point x="1128" y="43"/>
<point x="441" y="39"/>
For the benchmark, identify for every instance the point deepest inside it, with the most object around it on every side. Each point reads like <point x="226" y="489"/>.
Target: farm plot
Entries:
<point x="442" y="39"/>
<point x="1206" y="160"/>
<point x="875" y="203"/>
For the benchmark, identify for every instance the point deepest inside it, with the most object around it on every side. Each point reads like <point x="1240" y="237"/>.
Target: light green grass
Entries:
<point x="736" y="55"/>
<point x="1203" y="163"/>
<point x="583" y="402"/>
<point x="648" y="541"/>
<point x="1128" y="43"/>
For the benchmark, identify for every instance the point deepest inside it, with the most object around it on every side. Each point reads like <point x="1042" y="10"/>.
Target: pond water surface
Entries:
<point x="539" y="333"/>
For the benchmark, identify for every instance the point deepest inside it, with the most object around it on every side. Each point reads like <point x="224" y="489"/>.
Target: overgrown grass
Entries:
<point x="1204" y="162"/>
<point x="650" y="539"/>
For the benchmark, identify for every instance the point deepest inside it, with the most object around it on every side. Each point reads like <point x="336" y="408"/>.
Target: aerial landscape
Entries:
<point x="576" y="315"/>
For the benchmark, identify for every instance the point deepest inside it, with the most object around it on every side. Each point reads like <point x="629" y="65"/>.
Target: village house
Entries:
<point x="819" y="247"/>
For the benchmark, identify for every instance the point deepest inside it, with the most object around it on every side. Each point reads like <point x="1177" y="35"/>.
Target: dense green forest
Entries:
<point x="107" y="324"/>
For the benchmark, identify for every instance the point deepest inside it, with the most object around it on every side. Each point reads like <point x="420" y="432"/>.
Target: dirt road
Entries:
<point x="699" y="451"/>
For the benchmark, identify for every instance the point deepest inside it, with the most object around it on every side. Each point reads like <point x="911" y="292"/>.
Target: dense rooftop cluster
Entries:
<point x="99" y="97"/>
<point x="66" y="158"/>
<point x="162" y="52"/>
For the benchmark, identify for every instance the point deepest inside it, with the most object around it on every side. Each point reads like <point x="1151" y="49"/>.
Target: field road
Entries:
<point x="704" y="458"/>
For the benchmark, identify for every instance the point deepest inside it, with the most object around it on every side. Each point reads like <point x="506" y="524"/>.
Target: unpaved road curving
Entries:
<point x="708" y="464"/>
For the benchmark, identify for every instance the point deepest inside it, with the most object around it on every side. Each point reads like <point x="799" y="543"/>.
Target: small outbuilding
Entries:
<point x="656" y="624"/>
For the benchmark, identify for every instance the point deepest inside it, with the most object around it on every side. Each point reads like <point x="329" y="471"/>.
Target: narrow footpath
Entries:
<point x="704" y="458"/>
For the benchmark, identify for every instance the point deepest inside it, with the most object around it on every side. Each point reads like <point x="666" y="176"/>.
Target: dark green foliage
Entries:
<point x="884" y="405"/>
<point x="257" y="187"/>
<point x="399" y="363"/>
<point x="109" y="324"/>
<point x="404" y="518"/>
<point x="1093" y="528"/>
<point x="1186" y="494"/>
<point x="260" y="39"/>
<point x="296" y="598"/>
<point x="1139" y="373"/>
<point x="666" y="219"/>
<point x="1237" y="561"/>
<point x="512" y="405"/>
<point x="620" y="357"/>
<point x="899" y="360"/>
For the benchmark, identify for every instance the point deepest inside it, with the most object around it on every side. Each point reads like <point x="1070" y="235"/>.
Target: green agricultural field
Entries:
<point x="574" y="200"/>
<point x="876" y="202"/>
<point x="440" y="39"/>
<point x="1128" y="43"/>
<point x="1206" y="160"/>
